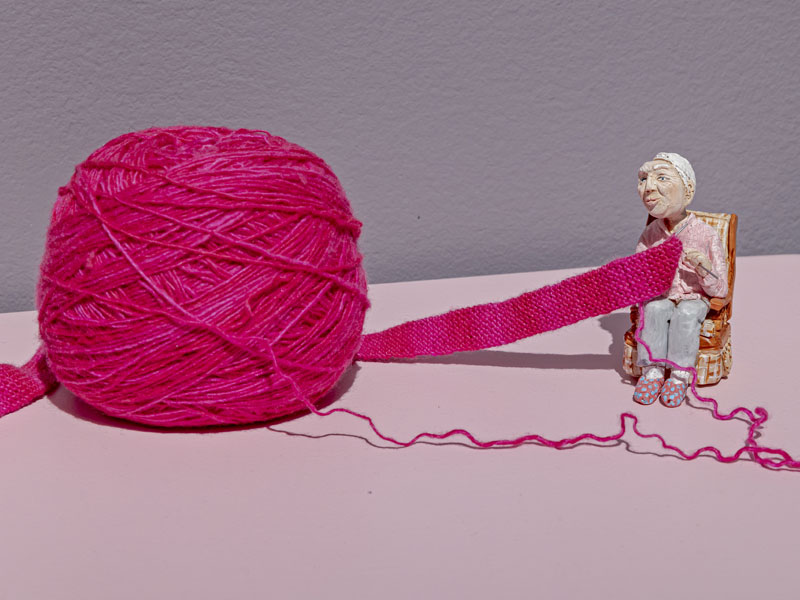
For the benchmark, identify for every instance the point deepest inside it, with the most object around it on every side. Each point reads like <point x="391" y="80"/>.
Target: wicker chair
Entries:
<point x="714" y="357"/>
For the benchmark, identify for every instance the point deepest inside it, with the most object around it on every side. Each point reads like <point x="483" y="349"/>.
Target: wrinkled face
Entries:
<point x="662" y="191"/>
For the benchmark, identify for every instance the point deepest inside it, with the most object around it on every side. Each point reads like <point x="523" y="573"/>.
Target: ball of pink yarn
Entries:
<point x="201" y="276"/>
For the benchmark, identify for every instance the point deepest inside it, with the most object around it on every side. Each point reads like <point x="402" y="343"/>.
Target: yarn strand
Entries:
<point x="757" y="418"/>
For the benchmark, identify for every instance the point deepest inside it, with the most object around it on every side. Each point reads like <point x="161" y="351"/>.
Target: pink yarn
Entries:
<point x="201" y="276"/>
<point x="620" y="283"/>
<point x="19" y="386"/>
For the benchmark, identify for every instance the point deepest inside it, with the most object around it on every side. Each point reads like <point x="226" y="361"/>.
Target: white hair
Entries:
<point x="682" y="166"/>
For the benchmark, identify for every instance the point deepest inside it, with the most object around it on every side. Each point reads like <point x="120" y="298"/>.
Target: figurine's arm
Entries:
<point x="716" y="287"/>
<point x="711" y="268"/>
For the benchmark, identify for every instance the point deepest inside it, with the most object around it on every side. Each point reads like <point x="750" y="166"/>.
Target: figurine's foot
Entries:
<point x="647" y="390"/>
<point x="674" y="392"/>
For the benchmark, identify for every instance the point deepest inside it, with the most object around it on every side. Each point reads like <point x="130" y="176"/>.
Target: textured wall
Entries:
<point x="471" y="137"/>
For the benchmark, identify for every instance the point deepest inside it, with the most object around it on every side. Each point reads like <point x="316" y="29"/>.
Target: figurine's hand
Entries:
<point x="698" y="261"/>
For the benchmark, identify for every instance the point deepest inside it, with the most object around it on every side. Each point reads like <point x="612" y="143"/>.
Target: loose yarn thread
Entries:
<point x="757" y="418"/>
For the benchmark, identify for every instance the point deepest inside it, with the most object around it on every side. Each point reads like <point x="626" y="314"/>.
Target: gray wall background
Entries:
<point x="471" y="137"/>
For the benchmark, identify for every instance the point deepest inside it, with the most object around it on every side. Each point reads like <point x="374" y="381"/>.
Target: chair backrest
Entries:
<point x="721" y="222"/>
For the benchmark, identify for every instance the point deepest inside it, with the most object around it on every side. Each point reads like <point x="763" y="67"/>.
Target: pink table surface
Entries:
<point x="319" y="508"/>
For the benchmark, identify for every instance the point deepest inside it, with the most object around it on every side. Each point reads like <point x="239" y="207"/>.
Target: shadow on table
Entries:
<point x="616" y="324"/>
<point x="385" y="446"/>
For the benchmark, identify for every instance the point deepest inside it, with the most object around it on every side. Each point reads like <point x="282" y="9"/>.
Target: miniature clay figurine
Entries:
<point x="672" y="322"/>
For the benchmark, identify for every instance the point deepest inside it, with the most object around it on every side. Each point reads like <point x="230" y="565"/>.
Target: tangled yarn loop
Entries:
<point x="200" y="276"/>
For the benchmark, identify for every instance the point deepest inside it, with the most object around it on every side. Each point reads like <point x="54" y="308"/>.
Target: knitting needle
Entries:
<point x="686" y="222"/>
<point x="714" y="275"/>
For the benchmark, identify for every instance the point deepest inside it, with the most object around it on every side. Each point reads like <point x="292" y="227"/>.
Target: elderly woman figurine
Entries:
<point x="672" y="322"/>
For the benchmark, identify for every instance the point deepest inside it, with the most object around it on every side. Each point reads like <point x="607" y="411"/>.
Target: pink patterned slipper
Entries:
<point x="674" y="392"/>
<point x="647" y="390"/>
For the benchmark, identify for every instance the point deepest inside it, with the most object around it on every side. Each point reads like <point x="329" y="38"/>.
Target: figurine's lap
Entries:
<point x="672" y="331"/>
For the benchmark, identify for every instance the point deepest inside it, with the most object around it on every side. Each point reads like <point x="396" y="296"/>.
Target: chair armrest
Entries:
<point x="720" y="303"/>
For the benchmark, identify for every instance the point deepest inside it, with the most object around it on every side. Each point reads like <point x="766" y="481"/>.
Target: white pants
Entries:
<point x="672" y="331"/>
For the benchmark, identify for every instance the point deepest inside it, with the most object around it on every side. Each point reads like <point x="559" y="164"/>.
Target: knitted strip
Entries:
<point x="620" y="283"/>
<point x="19" y="386"/>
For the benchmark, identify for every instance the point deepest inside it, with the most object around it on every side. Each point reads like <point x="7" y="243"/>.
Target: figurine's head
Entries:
<point x="666" y="185"/>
